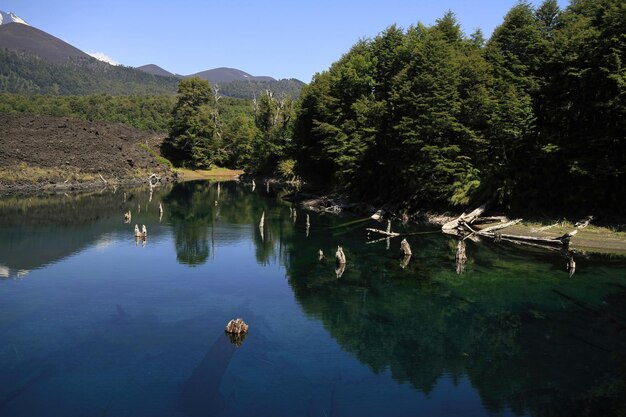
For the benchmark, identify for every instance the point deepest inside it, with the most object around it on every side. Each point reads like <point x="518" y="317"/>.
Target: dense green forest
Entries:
<point x="206" y="132"/>
<point x="150" y="112"/>
<point x="28" y="74"/>
<point x="533" y="118"/>
<point x="255" y="88"/>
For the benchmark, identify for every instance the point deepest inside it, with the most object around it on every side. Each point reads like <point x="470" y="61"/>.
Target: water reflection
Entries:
<point x="40" y="230"/>
<point x="510" y="323"/>
<point x="543" y="346"/>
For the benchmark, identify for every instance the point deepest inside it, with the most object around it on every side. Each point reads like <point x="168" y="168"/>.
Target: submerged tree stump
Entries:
<point x="461" y="257"/>
<point x="405" y="248"/>
<point x="340" y="257"/>
<point x="236" y="326"/>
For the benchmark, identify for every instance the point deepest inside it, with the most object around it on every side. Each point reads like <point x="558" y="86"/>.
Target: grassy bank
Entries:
<point x="207" y="174"/>
<point x="589" y="239"/>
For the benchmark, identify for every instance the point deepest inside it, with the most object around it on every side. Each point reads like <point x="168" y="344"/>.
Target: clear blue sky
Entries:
<point x="282" y="39"/>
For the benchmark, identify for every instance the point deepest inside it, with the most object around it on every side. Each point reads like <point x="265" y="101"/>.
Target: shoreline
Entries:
<point x="605" y="239"/>
<point x="591" y="239"/>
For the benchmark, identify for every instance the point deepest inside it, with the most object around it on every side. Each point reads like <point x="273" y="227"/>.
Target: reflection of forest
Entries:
<point x="561" y="356"/>
<point x="203" y="219"/>
<point x="38" y="230"/>
<point x="548" y="347"/>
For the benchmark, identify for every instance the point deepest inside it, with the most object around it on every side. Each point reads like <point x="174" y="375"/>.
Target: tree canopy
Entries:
<point x="427" y="116"/>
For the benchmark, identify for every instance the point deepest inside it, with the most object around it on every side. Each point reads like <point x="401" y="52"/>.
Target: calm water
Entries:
<point x="93" y="323"/>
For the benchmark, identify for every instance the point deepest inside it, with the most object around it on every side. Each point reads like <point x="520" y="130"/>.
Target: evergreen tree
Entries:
<point x="192" y="137"/>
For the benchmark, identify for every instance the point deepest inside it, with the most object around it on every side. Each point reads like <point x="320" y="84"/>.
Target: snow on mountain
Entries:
<point x="10" y="17"/>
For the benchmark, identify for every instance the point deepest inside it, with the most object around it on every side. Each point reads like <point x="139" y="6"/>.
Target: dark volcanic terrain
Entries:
<point x="48" y="152"/>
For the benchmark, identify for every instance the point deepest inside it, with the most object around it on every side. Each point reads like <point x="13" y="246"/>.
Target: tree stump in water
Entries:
<point x="405" y="248"/>
<point x="236" y="326"/>
<point x="340" y="257"/>
<point x="461" y="257"/>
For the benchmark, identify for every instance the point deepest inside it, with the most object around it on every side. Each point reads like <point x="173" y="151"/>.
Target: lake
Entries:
<point x="96" y="323"/>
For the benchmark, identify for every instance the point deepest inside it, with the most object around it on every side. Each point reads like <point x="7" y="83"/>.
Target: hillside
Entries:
<point x="226" y="75"/>
<point x="24" y="38"/>
<point x="41" y="152"/>
<point x="235" y="83"/>
<point x="23" y="73"/>
<point x="255" y="88"/>
<point x="155" y="70"/>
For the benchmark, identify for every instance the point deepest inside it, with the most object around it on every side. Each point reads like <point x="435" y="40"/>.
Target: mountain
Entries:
<point x="236" y="83"/>
<point x="30" y="40"/>
<point x="10" y="18"/>
<point x="226" y="75"/>
<point x="35" y="62"/>
<point x="156" y="70"/>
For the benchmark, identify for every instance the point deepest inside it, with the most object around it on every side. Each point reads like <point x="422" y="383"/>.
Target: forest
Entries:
<point x="532" y="118"/>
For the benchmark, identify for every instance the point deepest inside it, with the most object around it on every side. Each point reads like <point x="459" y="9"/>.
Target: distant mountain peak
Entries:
<point x="10" y="17"/>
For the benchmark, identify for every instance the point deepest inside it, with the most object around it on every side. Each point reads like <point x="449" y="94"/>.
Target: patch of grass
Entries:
<point x="160" y="159"/>
<point x="204" y="174"/>
<point x="24" y="173"/>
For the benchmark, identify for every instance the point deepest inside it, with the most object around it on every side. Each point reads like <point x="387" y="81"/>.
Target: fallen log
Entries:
<point x="500" y="226"/>
<point x="491" y="219"/>
<point x="561" y="240"/>
<point x="490" y="232"/>
<point x="452" y="226"/>
<point x="383" y="232"/>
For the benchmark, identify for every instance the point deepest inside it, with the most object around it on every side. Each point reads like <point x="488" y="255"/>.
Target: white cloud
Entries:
<point x="103" y="57"/>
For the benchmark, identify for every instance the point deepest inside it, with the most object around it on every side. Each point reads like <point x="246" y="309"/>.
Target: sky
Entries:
<point x="282" y="39"/>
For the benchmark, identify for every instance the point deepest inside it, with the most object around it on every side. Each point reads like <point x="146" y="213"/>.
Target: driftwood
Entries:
<point x="584" y="223"/>
<point x="490" y="232"/>
<point x="453" y="226"/>
<point x="387" y="232"/>
<point x="491" y="219"/>
<point x="378" y="215"/>
<point x="383" y="232"/>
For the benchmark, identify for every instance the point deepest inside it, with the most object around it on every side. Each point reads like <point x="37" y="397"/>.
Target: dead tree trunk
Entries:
<point x="461" y="257"/>
<point x="340" y="257"/>
<point x="405" y="248"/>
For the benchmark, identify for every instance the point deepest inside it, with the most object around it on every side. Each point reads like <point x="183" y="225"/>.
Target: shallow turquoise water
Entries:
<point x="93" y="323"/>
